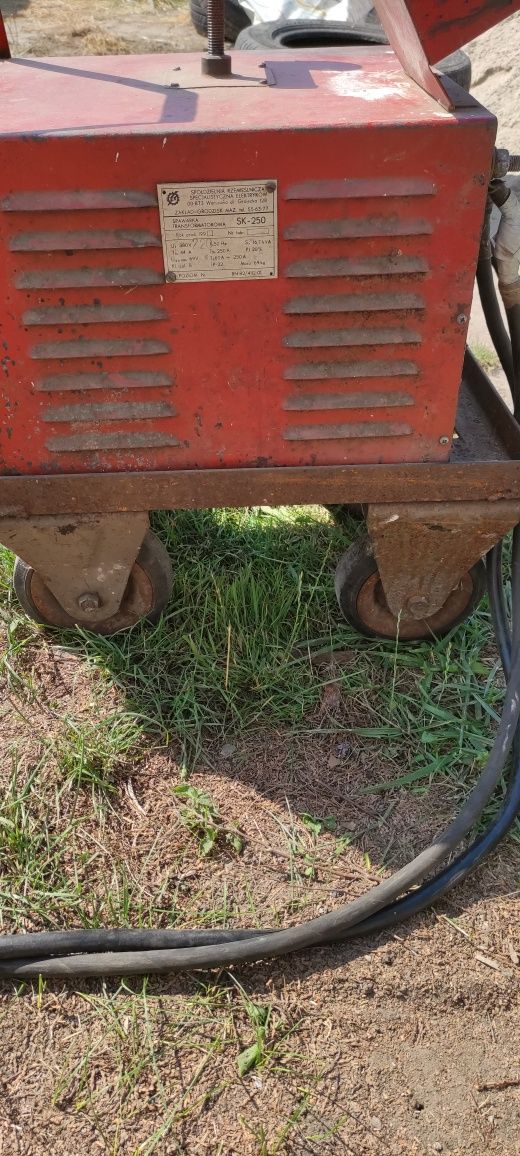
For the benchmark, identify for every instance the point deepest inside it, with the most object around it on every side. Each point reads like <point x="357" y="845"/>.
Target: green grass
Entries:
<point x="252" y="600"/>
<point x="488" y="358"/>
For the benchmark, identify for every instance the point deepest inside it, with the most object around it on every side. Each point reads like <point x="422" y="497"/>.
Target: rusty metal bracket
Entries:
<point x="84" y="561"/>
<point x="423" y="549"/>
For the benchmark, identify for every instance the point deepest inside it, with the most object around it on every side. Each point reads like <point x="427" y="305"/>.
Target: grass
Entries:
<point x="487" y="357"/>
<point x="252" y="600"/>
<point x="92" y="833"/>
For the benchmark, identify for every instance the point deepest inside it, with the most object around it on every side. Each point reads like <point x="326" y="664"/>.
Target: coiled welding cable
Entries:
<point x="127" y="952"/>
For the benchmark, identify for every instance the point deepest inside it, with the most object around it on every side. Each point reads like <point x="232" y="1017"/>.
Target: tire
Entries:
<point x="235" y="18"/>
<point x="298" y="34"/>
<point x="146" y="596"/>
<point x="361" y="599"/>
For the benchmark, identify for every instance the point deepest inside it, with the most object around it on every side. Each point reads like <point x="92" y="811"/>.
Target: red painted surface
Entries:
<point x="380" y="202"/>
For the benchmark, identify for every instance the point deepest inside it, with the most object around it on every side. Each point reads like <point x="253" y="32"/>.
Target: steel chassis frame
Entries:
<point x="429" y="522"/>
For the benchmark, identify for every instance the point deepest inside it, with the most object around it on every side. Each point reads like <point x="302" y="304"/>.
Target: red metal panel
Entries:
<point x="441" y="26"/>
<point x="352" y="354"/>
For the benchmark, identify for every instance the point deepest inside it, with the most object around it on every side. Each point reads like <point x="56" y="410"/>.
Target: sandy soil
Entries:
<point x="495" y="57"/>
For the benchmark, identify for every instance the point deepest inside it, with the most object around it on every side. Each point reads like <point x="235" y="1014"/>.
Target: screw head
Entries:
<point x="89" y="602"/>
<point x="171" y="277"/>
<point x="270" y="186"/>
<point x="444" y="440"/>
<point x="461" y="319"/>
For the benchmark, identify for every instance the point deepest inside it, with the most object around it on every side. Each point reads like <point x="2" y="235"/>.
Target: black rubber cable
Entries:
<point x="513" y="318"/>
<point x="129" y="951"/>
<point x="466" y="862"/>
<point x="352" y="918"/>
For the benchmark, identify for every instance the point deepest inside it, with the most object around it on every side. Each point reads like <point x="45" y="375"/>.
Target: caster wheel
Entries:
<point x="362" y="601"/>
<point x="347" y="513"/>
<point x="146" y="595"/>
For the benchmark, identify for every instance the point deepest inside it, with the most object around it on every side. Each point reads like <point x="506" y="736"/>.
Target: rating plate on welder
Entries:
<point x="219" y="230"/>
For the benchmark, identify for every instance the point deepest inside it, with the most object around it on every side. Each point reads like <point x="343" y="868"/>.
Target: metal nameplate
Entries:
<point x="219" y="230"/>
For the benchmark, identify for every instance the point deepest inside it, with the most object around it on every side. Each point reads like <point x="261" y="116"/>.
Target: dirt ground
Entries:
<point x="408" y="1044"/>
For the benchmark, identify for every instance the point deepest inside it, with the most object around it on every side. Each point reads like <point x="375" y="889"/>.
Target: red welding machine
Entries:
<point x="216" y="278"/>
<point x="251" y="282"/>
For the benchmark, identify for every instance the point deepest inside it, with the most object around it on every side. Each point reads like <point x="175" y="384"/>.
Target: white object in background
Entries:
<point x="507" y="251"/>
<point x="262" y="10"/>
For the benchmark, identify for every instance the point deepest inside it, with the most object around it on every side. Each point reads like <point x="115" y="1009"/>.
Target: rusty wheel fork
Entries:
<point x="104" y="573"/>
<point x="426" y="550"/>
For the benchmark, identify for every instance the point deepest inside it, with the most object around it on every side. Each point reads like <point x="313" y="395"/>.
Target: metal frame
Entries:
<point x="484" y="466"/>
<point x="429" y="523"/>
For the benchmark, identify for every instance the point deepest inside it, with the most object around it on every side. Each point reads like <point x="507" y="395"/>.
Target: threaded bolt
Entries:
<point x="89" y="602"/>
<point x="215" y="62"/>
<point x="514" y="163"/>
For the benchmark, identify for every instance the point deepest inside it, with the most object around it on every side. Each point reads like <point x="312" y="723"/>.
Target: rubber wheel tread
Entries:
<point x="153" y="558"/>
<point x="358" y="565"/>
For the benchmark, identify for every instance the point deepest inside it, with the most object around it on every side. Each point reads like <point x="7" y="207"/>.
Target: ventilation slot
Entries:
<point x="365" y="227"/>
<point x="313" y="338"/>
<point x="355" y="303"/>
<point x="93" y="315"/>
<point x="91" y="442"/>
<point x="393" y="264"/>
<point x="361" y="429"/>
<point x="360" y="188"/>
<point x="88" y="278"/>
<point x="325" y="401"/>
<point x="83" y="348"/>
<point x="322" y="371"/>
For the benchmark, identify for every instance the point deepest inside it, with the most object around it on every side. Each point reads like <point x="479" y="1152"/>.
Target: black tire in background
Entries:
<point x="299" y="34"/>
<point x="235" y="18"/>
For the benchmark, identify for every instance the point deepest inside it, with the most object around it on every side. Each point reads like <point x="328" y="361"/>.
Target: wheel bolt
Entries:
<point x="89" y="602"/>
